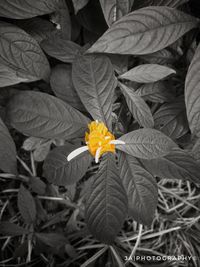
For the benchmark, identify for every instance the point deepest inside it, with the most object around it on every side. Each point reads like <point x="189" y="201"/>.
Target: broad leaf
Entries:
<point x="42" y="115"/>
<point x="129" y="35"/>
<point x="21" y="9"/>
<point x="115" y="9"/>
<point x="61" y="84"/>
<point x="106" y="205"/>
<point x="26" y="205"/>
<point x="147" y="73"/>
<point x="171" y="119"/>
<point x="25" y="57"/>
<point x="141" y="188"/>
<point x="12" y="229"/>
<point x="58" y="170"/>
<point x="146" y="144"/>
<point x="192" y="94"/>
<point x="155" y="92"/>
<point x="78" y="5"/>
<point x="138" y="107"/>
<point x="41" y="152"/>
<point x="94" y="80"/>
<point x="8" y="161"/>
<point x="176" y="165"/>
<point x="170" y="3"/>
<point x="61" y="48"/>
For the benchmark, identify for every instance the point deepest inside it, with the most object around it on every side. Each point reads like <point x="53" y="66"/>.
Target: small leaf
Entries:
<point x="21" y="9"/>
<point x="26" y="205"/>
<point x="137" y="106"/>
<point x="58" y="170"/>
<point x="42" y="151"/>
<point x="37" y="185"/>
<point x="42" y="115"/>
<point x="192" y="94"/>
<point x="8" y="161"/>
<point x="141" y="188"/>
<point x="61" y="48"/>
<point x="171" y="119"/>
<point x="78" y="5"/>
<point x="129" y="35"/>
<point x="115" y="9"/>
<point x="12" y="229"/>
<point x="157" y="92"/>
<point x="94" y="80"/>
<point x="147" y="73"/>
<point x="146" y="144"/>
<point x="32" y="143"/>
<point x="176" y="165"/>
<point x="61" y="84"/>
<point x="106" y="205"/>
<point x="52" y="240"/>
<point x="25" y="57"/>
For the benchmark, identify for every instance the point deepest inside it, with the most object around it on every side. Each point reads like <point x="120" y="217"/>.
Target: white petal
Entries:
<point x="76" y="152"/>
<point x="97" y="156"/>
<point x="117" y="142"/>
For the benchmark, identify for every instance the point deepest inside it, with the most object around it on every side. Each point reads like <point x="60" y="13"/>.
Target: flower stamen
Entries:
<point x="77" y="152"/>
<point x="97" y="155"/>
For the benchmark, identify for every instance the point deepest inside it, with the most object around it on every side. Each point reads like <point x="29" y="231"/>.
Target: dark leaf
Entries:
<point x="147" y="73"/>
<point x="146" y="144"/>
<point x="78" y="5"/>
<point x="61" y="84"/>
<point x="192" y="94"/>
<point x="94" y="80"/>
<point x="42" y="115"/>
<point x="60" y="48"/>
<point x="12" y="229"/>
<point x="25" y="60"/>
<point x="115" y="9"/>
<point x="53" y="240"/>
<point x="138" y="107"/>
<point x="38" y="28"/>
<point x="21" y="9"/>
<point x="170" y="3"/>
<point x="8" y="161"/>
<point x="155" y="92"/>
<point x="171" y="119"/>
<point x="176" y="165"/>
<point x="58" y="170"/>
<point x="106" y="205"/>
<point x="141" y="188"/>
<point x="26" y="205"/>
<point x="37" y="185"/>
<point x="161" y="57"/>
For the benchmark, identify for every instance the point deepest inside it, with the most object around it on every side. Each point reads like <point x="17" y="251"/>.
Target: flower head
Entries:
<point x="98" y="140"/>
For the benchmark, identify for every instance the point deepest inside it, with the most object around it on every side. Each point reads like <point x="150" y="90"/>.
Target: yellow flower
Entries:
<point x="99" y="141"/>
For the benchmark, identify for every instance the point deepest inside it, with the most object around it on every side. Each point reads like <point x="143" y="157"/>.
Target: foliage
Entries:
<point x="129" y="71"/>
